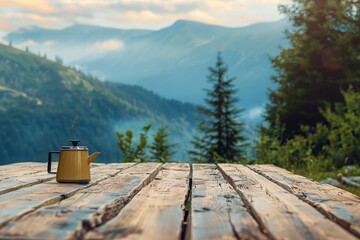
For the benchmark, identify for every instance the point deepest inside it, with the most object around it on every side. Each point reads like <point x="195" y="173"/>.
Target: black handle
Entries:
<point x="49" y="161"/>
<point x="74" y="142"/>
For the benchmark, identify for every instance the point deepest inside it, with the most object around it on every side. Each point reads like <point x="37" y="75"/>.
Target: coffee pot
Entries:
<point x="74" y="163"/>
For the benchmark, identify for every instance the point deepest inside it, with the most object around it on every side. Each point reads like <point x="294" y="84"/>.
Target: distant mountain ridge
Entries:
<point x="43" y="104"/>
<point x="173" y="61"/>
<point x="78" y="32"/>
<point x="72" y="43"/>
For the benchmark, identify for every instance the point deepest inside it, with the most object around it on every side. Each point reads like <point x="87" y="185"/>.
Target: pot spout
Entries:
<point x="93" y="156"/>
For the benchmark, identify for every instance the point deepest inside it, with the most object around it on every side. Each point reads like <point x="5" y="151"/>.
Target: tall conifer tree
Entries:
<point x="221" y="130"/>
<point x="161" y="150"/>
<point x="323" y="59"/>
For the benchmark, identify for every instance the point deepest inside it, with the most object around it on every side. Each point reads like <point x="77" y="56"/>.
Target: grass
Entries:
<point x="345" y="171"/>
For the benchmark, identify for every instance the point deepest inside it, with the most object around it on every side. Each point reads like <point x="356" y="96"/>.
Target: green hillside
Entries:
<point x="43" y="104"/>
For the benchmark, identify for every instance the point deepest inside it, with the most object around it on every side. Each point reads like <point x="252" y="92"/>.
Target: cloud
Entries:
<point x="145" y="15"/>
<point x="31" y="44"/>
<point x="25" y="19"/>
<point x="42" y="20"/>
<point x="108" y="45"/>
<point x="254" y="113"/>
<point x="248" y="19"/>
<point x="152" y="14"/>
<point x="5" y="25"/>
<point x="220" y="6"/>
<point x="203" y="17"/>
<point x="45" y="13"/>
<point x="28" y="43"/>
<point x="43" y="6"/>
<point x="48" y="43"/>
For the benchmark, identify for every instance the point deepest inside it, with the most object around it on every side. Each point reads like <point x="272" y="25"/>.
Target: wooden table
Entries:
<point x="174" y="201"/>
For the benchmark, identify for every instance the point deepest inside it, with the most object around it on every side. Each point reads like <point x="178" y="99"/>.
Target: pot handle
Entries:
<point x="49" y="161"/>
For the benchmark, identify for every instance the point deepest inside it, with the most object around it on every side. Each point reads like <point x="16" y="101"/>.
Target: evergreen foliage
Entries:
<point x="221" y="138"/>
<point x="130" y="152"/>
<point x="323" y="147"/>
<point x="344" y="136"/>
<point x="161" y="149"/>
<point x="323" y="59"/>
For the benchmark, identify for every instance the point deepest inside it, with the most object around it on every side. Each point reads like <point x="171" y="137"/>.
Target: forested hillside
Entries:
<point x="185" y="48"/>
<point x="44" y="104"/>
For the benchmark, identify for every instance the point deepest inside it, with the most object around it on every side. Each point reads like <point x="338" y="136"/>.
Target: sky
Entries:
<point x="145" y="14"/>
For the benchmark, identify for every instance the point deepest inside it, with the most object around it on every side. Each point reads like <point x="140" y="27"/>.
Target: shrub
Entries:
<point x="130" y="152"/>
<point x="318" y="148"/>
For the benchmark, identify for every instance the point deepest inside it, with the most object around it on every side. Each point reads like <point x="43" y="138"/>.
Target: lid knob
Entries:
<point x="74" y="142"/>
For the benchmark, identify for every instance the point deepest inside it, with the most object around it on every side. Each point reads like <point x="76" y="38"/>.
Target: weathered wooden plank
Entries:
<point x="26" y="180"/>
<point x="337" y="204"/>
<point x="15" y="183"/>
<point x="18" y="203"/>
<point x="347" y="181"/>
<point x="17" y="169"/>
<point x="155" y="212"/>
<point x="85" y="209"/>
<point x="281" y="214"/>
<point x="217" y="210"/>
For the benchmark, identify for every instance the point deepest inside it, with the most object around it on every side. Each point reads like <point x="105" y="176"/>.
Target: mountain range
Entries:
<point x="44" y="104"/>
<point x="172" y="61"/>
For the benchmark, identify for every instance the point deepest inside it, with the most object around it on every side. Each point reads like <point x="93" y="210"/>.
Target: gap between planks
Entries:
<point x="281" y="214"/>
<point x="97" y="219"/>
<point x="185" y="225"/>
<point x="86" y="209"/>
<point x="26" y="200"/>
<point x="338" y="205"/>
<point x="217" y="210"/>
<point x="156" y="212"/>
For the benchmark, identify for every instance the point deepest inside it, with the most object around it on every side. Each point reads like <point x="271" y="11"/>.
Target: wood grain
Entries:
<point x="15" y="183"/>
<point x="18" y="203"/>
<point x="26" y="180"/>
<point x="337" y="204"/>
<point x="72" y="217"/>
<point x="217" y="210"/>
<point x="20" y="169"/>
<point x="281" y="214"/>
<point x="29" y="178"/>
<point x="156" y="212"/>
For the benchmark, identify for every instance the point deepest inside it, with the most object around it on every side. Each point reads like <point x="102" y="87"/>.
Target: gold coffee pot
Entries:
<point x="74" y="163"/>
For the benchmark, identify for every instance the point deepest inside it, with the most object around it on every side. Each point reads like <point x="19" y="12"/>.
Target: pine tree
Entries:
<point x="201" y="151"/>
<point x="322" y="60"/>
<point x="220" y="127"/>
<point x="161" y="149"/>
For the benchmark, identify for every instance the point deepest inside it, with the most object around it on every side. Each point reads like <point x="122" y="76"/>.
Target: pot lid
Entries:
<point x="74" y="146"/>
